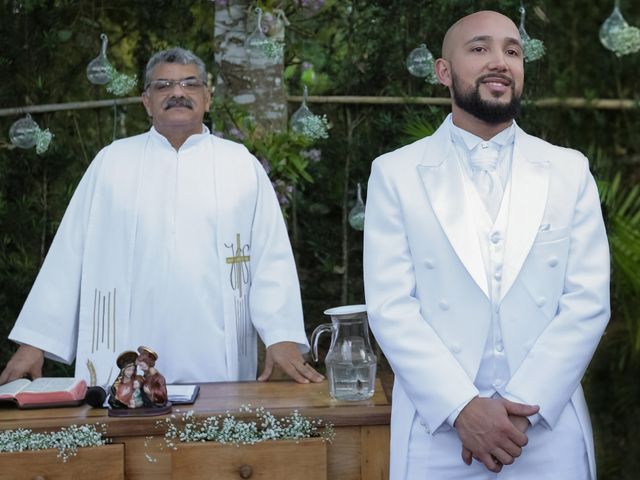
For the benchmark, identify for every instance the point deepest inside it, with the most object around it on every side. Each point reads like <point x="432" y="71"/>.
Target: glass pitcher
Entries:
<point x="351" y="363"/>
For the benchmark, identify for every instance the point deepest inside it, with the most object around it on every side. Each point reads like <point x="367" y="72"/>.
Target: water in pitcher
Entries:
<point x="351" y="382"/>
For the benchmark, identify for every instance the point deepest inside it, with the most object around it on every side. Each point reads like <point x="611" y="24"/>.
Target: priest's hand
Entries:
<point x="26" y="362"/>
<point x="287" y="356"/>
<point x="488" y="433"/>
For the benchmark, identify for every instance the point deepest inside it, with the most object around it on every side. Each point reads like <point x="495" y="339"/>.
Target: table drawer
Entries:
<point x="280" y="459"/>
<point x="96" y="463"/>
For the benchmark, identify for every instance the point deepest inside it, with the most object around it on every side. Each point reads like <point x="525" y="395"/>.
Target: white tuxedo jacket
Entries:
<point x="426" y="288"/>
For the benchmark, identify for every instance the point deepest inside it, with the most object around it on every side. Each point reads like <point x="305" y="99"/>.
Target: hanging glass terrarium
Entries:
<point x="304" y="122"/>
<point x="23" y="132"/>
<point x="356" y="214"/>
<point x="533" y="49"/>
<point x="300" y="117"/>
<point x="99" y="69"/>
<point x="608" y="29"/>
<point x="617" y="35"/>
<point x="420" y="64"/>
<point x="261" y="50"/>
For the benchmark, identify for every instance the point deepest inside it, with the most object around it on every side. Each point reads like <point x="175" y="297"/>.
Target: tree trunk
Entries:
<point x="254" y="81"/>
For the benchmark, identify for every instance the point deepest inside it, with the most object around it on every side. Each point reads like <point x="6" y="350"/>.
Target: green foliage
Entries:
<point x="281" y="153"/>
<point x="354" y="47"/>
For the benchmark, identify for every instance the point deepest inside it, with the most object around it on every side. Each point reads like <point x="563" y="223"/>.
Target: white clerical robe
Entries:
<point x="182" y="251"/>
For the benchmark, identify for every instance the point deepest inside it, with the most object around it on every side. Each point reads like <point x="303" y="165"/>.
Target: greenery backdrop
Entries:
<point x="354" y="47"/>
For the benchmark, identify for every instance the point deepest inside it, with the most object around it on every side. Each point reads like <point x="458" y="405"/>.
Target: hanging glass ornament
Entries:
<point x="99" y="69"/>
<point x="614" y="22"/>
<point x="617" y="35"/>
<point x="298" y="118"/>
<point x="356" y="214"/>
<point x="420" y="64"/>
<point x="306" y="123"/>
<point x="23" y="132"/>
<point x="533" y="49"/>
<point x="260" y="48"/>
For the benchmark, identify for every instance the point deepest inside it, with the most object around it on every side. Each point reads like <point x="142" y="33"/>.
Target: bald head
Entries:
<point x="482" y="65"/>
<point x="474" y="25"/>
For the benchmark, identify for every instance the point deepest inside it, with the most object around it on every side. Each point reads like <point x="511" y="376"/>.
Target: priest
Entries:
<point x="174" y="239"/>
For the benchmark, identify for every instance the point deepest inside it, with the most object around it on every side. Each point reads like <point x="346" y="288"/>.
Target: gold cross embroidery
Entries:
<point x="238" y="265"/>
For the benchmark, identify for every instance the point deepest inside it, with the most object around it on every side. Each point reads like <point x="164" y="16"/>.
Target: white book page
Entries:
<point x="11" y="388"/>
<point x="51" y="384"/>
<point x="180" y="392"/>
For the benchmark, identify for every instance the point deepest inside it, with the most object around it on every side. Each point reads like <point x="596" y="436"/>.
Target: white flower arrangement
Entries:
<point x="227" y="429"/>
<point x="66" y="440"/>
<point x="120" y="83"/>
<point x="314" y="127"/>
<point x="43" y="140"/>
<point x="273" y="49"/>
<point x="625" y="40"/>
<point x="533" y="49"/>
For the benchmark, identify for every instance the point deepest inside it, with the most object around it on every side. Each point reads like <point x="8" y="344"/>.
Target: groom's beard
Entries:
<point x="491" y="112"/>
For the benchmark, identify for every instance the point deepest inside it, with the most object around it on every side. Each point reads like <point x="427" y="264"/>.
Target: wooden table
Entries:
<point x="360" y="450"/>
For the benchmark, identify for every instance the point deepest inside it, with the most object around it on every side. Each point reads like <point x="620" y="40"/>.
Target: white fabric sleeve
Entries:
<point x="275" y="304"/>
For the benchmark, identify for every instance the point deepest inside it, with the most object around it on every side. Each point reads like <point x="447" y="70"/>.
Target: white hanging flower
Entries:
<point x="272" y="49"/>
<point x="533" y="49"/>
<point x="314" y="127"/>
<point x="43" y="140"/>
<point x="120" y="83"/>
<point x="625" y="40"/>
<point x="430" y="77"/>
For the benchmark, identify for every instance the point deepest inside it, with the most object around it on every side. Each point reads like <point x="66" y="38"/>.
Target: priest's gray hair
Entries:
<point x="175" y="55"/>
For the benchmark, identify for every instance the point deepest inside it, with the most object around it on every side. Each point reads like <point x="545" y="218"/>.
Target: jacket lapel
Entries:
<point x="442" y="178"/>
<point x="529" y="189"/>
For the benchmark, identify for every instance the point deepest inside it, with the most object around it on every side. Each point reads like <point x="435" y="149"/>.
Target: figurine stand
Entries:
<point x="140" y="412"/>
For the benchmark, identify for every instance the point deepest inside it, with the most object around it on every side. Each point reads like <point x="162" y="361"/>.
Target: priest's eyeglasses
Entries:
<point x="189" y="85"/>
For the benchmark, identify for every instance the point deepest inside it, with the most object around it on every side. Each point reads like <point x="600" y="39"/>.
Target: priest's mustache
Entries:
<point x="178" y="102"/>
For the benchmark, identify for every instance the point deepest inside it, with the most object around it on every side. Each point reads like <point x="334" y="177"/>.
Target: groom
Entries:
<point x="486" y="269"/>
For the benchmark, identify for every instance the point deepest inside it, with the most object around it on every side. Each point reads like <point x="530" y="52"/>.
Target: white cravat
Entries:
<point x="484" y="161"/>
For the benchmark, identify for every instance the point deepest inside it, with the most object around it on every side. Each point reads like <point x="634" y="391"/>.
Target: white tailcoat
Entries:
<point x="426" y="286"/>
<point x="90" y="297"/>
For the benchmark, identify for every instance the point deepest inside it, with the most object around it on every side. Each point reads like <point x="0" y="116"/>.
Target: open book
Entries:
<point x="44" y="392"/>
<point x="182" y="394"/>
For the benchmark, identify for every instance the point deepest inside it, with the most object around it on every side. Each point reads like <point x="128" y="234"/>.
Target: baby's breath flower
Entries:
<point x="66" y="440"/>
<point x="533" y="49"/>
<point x="43" y="140"/>
<point x="272" y="49"/>
<point x="430" y="76"/>
<point x="625" y="40"/>
<point x="314" y="127"/>
<point x="120" y="83"/>
<point x="227" y="429"/>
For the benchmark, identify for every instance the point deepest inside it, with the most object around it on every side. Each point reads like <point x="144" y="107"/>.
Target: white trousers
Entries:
<point x="560" y="454"/>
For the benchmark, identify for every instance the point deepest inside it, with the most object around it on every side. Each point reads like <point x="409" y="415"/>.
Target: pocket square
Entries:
<point x="544" y="227"/>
